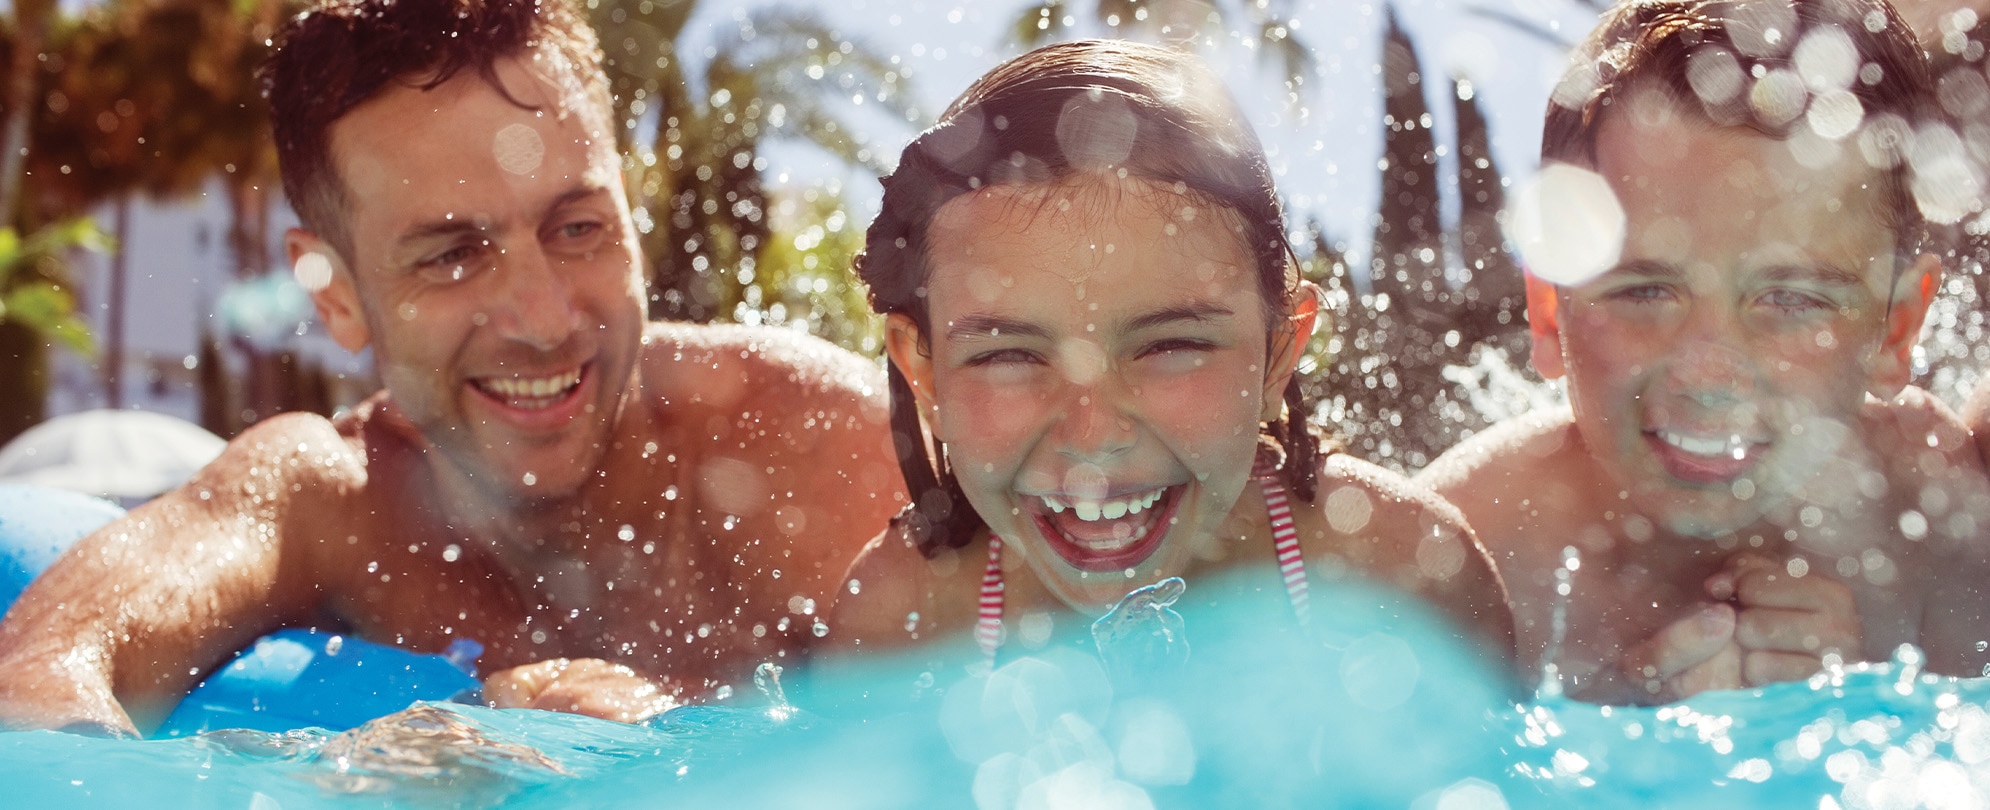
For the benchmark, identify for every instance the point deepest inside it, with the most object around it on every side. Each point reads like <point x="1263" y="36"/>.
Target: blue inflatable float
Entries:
<point x="287" y="680"/>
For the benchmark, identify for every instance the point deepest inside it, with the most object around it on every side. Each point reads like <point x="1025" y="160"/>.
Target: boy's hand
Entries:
<point x="588" y="686"/>
<point x="1689" y="656"/>
<point x="1786" y="624"/>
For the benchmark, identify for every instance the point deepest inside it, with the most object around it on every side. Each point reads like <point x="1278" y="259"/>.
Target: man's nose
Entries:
<point x="538" y="306"/>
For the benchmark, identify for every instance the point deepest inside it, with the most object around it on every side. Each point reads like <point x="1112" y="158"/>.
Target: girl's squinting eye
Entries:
<point x="1005" y="357"/>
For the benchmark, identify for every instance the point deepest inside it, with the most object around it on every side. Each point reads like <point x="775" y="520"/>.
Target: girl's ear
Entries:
<point x="330" y="283"/>
<point x="1288" y="344"/>
<point x="906" y="346"/>
<point x="1893" y="368"/>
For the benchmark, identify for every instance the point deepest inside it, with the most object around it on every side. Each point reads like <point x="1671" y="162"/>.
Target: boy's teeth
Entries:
<point x="1109" y="510"/>
<point x="1703" y="447"/>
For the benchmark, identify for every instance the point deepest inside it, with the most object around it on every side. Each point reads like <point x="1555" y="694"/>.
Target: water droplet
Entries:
<point x="855" y="586"/>
<point x="626" y="533"/>
<point x="334" y="644"/>
<point x="451" y="552"/>
<point x="529" y="479"/>
<point x="820" y="629"/>
<point x="912" y="622"/>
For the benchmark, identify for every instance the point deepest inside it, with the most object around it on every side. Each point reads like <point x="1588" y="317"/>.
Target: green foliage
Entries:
<point x="804" y="277"/>
<point x="34" y="281"/>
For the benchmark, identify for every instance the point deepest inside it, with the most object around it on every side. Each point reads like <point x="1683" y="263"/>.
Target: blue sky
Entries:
<point x="1326" y="163"/>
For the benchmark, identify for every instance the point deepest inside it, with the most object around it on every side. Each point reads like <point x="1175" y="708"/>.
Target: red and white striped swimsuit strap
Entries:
<point x="1284" y="539"/>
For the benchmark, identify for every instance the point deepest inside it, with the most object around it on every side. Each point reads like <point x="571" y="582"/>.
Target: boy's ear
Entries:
<point x="1544" y="323"/>
<point x="1893" y="368"/>
<point x="906" y="346"/>
<point x="331" y="286"/>
<point x="1287" y="346"/>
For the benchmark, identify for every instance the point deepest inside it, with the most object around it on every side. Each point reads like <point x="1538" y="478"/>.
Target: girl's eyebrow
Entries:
<point x="968" y="327"/>
<point x="1196" y="311"/>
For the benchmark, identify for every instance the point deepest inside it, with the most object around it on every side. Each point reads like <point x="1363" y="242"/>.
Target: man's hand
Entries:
<point x="1786" y="624"/>
<point x="588" y="686"/>
<point x="1691" y="655"/>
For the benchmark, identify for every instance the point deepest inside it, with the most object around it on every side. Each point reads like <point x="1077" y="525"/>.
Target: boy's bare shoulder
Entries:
<point x="1402" y="532"/>
<point x="1493" y="458"/>
<point x="1510" y="473"/>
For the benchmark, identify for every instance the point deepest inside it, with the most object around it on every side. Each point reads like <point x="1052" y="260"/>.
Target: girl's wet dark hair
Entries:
<point x="1056" y="112"/>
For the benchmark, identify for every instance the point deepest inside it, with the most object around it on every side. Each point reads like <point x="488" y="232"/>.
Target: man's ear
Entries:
<point x="1288" y="344"/>
<point x="1893" y="368"/>
<point x="324" y="274"/>
<point x="906" y="346"/>
<point x="1544" y="323"/>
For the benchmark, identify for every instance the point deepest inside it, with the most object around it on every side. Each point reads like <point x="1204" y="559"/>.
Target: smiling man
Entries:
<point x="1744" y="488"/>
<point x="545" y="472"/>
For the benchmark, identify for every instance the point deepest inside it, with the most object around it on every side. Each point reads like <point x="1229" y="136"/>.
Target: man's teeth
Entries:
<point x="1114" y="509"/>
<point x="1733" y="446"/>
<point x="535" y="387"/>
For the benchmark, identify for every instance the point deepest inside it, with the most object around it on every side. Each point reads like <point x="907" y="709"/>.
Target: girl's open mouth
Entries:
<point x="1113" y="534"/>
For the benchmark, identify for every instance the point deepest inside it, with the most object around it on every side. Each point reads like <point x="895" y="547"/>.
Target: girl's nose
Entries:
<point x="1092" y="428"/>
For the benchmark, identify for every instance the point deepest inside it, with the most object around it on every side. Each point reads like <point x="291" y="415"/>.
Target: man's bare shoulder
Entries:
<point x="757" y="359"/>
<point x="1394" y="502"/>
<point x="305" y="450"/>
<point x="1506" y="476"/>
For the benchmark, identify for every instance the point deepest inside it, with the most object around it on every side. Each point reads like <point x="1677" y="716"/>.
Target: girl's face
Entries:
<point x="1097" y="372"/>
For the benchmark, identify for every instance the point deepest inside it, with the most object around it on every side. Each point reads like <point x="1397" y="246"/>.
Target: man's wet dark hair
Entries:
<point x="340" y="53"/>
<point x="1094" y="106"/>
<point x="1717" y="58"/>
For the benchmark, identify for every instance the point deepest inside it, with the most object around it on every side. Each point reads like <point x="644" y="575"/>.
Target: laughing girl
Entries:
<point x="1093" y="321"/>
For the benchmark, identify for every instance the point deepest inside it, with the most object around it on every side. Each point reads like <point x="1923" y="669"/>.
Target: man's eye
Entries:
<point x="451" y="258"/>
<point x="579" y="230"/>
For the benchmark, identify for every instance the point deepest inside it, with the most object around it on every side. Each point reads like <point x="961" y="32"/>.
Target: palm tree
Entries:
<point x="700" y="201"/>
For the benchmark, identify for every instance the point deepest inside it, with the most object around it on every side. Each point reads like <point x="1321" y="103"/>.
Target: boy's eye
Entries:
<point x="1643" y="294"/>
<point x="1793" y="301"/>
<point x="1175" y="346"/>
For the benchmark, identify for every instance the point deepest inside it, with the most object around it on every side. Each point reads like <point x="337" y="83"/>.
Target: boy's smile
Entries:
<point x="1096" y="370"/>
<point x="1725" y="357"/>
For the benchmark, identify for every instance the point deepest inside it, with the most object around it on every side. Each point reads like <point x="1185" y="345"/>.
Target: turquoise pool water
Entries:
<point x="1388" y="714"/>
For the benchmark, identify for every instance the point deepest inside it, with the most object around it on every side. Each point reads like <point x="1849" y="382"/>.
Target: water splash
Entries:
<point x="1142" y="638"/>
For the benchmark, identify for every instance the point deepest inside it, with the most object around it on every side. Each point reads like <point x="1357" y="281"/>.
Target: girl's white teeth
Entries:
<point x="1114" y="509"/>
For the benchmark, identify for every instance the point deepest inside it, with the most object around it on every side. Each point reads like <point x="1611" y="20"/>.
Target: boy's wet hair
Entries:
<point x="1095" y="106"/>
<point x="340" y="53"/>
<point x="1784" y="68"/>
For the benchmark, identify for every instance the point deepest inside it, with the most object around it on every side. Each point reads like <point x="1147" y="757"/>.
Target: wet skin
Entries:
<point x="1723" y="460"/>
<point x="545" y="473"/>
<point x="1100" y="343"/>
